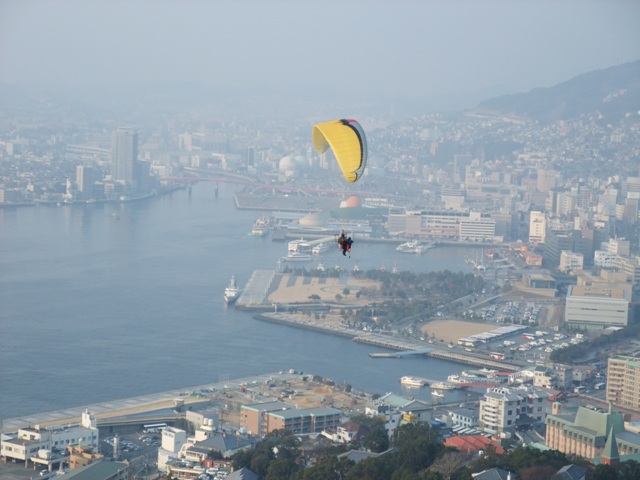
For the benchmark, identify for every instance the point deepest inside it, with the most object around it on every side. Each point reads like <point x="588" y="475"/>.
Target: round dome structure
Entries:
<point x="286" y="164"/>
<point x="352" y="202"/>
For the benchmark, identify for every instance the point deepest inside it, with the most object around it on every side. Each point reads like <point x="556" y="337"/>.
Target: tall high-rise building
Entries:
<point x="251" y="156"/>
<point x="85" y="178"/>
<point x="124" y="156"/>
<point x="460" y="162"/>
<point x="537" y="227"/>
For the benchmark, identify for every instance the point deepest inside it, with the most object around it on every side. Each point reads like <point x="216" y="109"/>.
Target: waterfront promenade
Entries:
<point x="401" y="346"/>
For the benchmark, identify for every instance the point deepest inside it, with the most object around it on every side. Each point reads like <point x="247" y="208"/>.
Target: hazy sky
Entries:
<point x="417" y="47"/>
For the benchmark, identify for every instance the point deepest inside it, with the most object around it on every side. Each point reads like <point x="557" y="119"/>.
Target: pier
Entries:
<point x="407" y="347"/>
<point x="476" y="361"/>
<point x="254" y="294"/>
<point x="401" y="346"/>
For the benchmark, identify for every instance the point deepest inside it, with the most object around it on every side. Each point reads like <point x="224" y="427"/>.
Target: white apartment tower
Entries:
<point x="84" y="180"/>
<point x="502" y="408"/>
<point x="537" y="226"/>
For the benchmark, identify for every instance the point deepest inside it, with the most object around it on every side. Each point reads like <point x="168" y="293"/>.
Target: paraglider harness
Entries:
<point x="344" y="243"/>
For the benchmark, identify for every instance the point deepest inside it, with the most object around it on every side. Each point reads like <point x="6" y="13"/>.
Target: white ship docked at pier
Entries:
<point x="412" y="382"/>
<point x="467" y="379"/>
<point x="232" y="292"/>
<point x="443" y="386"/>
<point x="261" y="227"/>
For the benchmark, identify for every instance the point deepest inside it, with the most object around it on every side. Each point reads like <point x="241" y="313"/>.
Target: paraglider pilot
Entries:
<point x="344" y="243"/>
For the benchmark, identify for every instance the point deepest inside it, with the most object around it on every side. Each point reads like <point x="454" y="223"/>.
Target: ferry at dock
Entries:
<point x="261" y="227"/>
<point x="473" y="380"/>
<point x="412" y="382"/>
<point x="443" y="386"/>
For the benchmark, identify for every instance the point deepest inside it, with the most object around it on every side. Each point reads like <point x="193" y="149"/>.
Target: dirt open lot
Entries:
<point x="452" y="330"/>
<point x="297" y="289"/>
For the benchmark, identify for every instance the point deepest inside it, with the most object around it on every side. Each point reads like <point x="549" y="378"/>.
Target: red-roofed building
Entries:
<point x="472" y="444"/>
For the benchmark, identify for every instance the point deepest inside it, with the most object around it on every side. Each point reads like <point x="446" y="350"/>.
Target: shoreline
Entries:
<point x="390" y="343"/>
<point x="84" y="203"/>
<point x="287" y="320"/>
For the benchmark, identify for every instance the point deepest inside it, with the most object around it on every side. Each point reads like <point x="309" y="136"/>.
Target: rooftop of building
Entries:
<point x="466" y="412"/>
<point x="493" y="474"/>
<point x="269" y="406"/>
<point x="393" y="400"/>
<point x="303" y="412"/>
<point x="570" y="472"/>
<point x="243" y="474"/>
<point x="95" y="471"/>
<point x="359" y="455"/>
<point x="632" y="361"/>
<point x="609" y="292"/>
<point x="222" y="442"/>
<point x="540" y="276"/>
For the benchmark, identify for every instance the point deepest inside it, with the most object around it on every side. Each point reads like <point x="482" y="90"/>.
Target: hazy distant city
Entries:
<point x="503" y="144"/>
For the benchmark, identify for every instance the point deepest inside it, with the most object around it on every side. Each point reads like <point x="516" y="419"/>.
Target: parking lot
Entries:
<point x="17" y="471"/>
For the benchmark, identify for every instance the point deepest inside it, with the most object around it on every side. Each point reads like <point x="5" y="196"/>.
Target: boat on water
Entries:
<point x="320" y="248"/>
<point x="232" y="292"/>
<point x="437" y="393"/>
<point x="297" y="257"/>
<point x="261" y="227"/>
<point x="412" y="247"/>
<point x="412" y="382"/>
<point x="442" y="386"/>
<point x="472" y="379"/>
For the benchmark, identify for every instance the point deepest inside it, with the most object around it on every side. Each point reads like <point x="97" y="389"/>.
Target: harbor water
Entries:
<point x="107" y="301"/>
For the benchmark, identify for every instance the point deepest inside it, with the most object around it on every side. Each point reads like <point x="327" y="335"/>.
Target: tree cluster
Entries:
<point x="600" y="343"/>
<point x="417" y="295"/>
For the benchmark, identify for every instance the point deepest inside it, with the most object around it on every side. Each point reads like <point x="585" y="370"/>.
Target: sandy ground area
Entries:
<point x="299" y="292"/>
<point x="452" y="330"/>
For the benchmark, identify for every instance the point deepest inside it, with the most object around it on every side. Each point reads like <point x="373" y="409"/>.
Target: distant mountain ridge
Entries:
<point x="612" y="92"/>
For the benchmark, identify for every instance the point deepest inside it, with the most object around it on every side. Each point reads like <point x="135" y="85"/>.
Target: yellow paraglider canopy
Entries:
<point x="348" y="142"/>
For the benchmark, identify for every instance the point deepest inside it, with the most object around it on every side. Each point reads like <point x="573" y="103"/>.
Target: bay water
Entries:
<point x="108" y="301"/>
